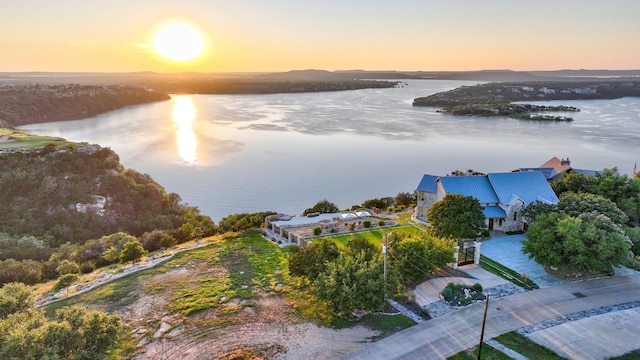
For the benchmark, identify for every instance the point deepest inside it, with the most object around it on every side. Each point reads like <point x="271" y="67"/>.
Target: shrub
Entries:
<point x="317" y="230"/>
<point x="447" y="293"/>
<point x="366" y="223"/>
<point x="477" y="287"/>
<point x="167" y="240"/>
<point x="87" y="267"/>
<point x="68" y="267"/>
<point x="65" y="280"/>
<point x="380" y="222"/>
<point x="151" y="240"/>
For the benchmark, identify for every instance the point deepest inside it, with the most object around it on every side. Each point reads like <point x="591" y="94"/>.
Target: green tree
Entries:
<point x="456" y="217"/>
<point x="74" y="333"/>
<point x="634" y="236"/>
<point x="352" y="282"/>
<point x="322" y="207"/>
<point x="414" y="257"/>
<point x="622" y="190"/>
<point x="360" y="245"/>
<point x="167" y="240"/>
<point x="381" y="203"/>
<point x="587" y="242"/>
<point x="244" y="221"/>
<point x="68" y="267"/>
<point x="583" y="231"/>
<point x="112" y="255"/>
<point x="25" y="271"/>
<point x="406" y="198"/>
<point x="312" y="260"/>
<point x="575" y="204"/>
<point x="151" y="240"/>
<point x="132" y="251"/>
<point x="14" y="297"/>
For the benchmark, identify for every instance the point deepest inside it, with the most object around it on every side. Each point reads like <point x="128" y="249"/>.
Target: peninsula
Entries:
<point x="503" y="98"/>
<point x="38" y="103"/>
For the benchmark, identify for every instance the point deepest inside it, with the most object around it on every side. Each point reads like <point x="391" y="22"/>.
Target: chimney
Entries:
<point x="564" y="162"/>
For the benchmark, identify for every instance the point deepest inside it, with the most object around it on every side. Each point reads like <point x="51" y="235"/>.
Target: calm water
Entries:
<point x="245" y="153"/>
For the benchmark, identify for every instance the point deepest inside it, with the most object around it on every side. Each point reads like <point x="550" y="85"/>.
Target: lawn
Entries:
<point x="22" y="139"/>
<point x="374" y="236"/>
<point x="488" y="353"/>
<point x="506" y="273"/>
<point x="526" y="347"/>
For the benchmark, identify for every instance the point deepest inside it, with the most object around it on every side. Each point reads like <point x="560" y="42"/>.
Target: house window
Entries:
<point x="515" y="216"/>
<point x="499" y="222"/>
<point x="421" y="196"/>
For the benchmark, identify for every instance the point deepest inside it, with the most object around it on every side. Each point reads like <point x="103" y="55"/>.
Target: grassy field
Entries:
<point x="210" y="291"/>
<point x="374" y="236"/>
<point x="20" y="139"/>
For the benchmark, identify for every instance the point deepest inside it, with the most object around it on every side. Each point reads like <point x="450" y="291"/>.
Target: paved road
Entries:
<point x="449" y="334"/>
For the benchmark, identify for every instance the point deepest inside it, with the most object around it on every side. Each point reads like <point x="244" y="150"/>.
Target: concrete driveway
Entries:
<point x="449" y="334"/>
<point x="609" y="334"/>
<point x="507" y="250"/>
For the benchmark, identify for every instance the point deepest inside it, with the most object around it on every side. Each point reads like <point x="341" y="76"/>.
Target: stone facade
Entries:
<point x="503" y="196"/>
<point x="424" y="203"/>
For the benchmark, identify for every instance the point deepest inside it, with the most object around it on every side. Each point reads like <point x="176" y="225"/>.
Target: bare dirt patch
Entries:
<point x="265" y="330"/>
<point x="262" y="326"/>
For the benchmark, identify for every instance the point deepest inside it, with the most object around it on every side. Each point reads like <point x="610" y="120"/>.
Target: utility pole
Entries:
<point x="484" y="320"/>
<point x="384" y="253"/>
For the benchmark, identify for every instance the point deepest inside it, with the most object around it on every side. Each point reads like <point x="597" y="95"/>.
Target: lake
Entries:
<point x="230" y="154"/>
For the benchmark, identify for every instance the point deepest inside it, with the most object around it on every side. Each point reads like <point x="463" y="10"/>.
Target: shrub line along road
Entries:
<point x="457" y="331"/>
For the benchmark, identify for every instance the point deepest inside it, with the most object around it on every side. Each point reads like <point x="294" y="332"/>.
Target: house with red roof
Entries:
<point x="555" y="168"/>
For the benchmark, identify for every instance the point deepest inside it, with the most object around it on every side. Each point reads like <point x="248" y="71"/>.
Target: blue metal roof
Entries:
<point x="547" y="172"/>
<point x="428" y="184"/>
<point x="478" y="187"/>
<point x="493" y="212"/>
<point x="528" y="186"/>
<point x="587" y="172"/>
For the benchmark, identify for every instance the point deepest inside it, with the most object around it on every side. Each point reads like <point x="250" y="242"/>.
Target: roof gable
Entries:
<point x="428" y="184"/>
<point x="558" y="165"/>
<point x="478" y="187"/>
<point x="530" y="186"/>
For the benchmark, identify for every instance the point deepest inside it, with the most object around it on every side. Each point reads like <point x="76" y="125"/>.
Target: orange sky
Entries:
<point x="281" y="35"/>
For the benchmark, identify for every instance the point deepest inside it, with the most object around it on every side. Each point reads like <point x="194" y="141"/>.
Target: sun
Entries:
<point x="178" y="42"/>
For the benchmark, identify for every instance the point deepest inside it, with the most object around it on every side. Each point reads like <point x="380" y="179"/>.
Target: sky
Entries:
<point x="282" y="35"/>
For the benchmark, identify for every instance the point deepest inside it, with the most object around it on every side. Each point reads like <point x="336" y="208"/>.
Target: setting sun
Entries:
<point x="178" y="42"/>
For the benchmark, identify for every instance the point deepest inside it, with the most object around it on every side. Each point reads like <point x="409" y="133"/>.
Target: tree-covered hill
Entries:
<point x="28" y="104"/>
<point x="532" y="91"/>
<point x="75" y="192"/>
<point x="499" y="99"/>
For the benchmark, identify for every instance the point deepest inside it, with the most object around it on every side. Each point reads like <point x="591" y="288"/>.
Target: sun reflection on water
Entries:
<point x="184" y="114"/>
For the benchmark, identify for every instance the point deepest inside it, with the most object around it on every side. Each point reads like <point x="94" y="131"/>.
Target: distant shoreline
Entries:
<point x="502" y="99"/>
